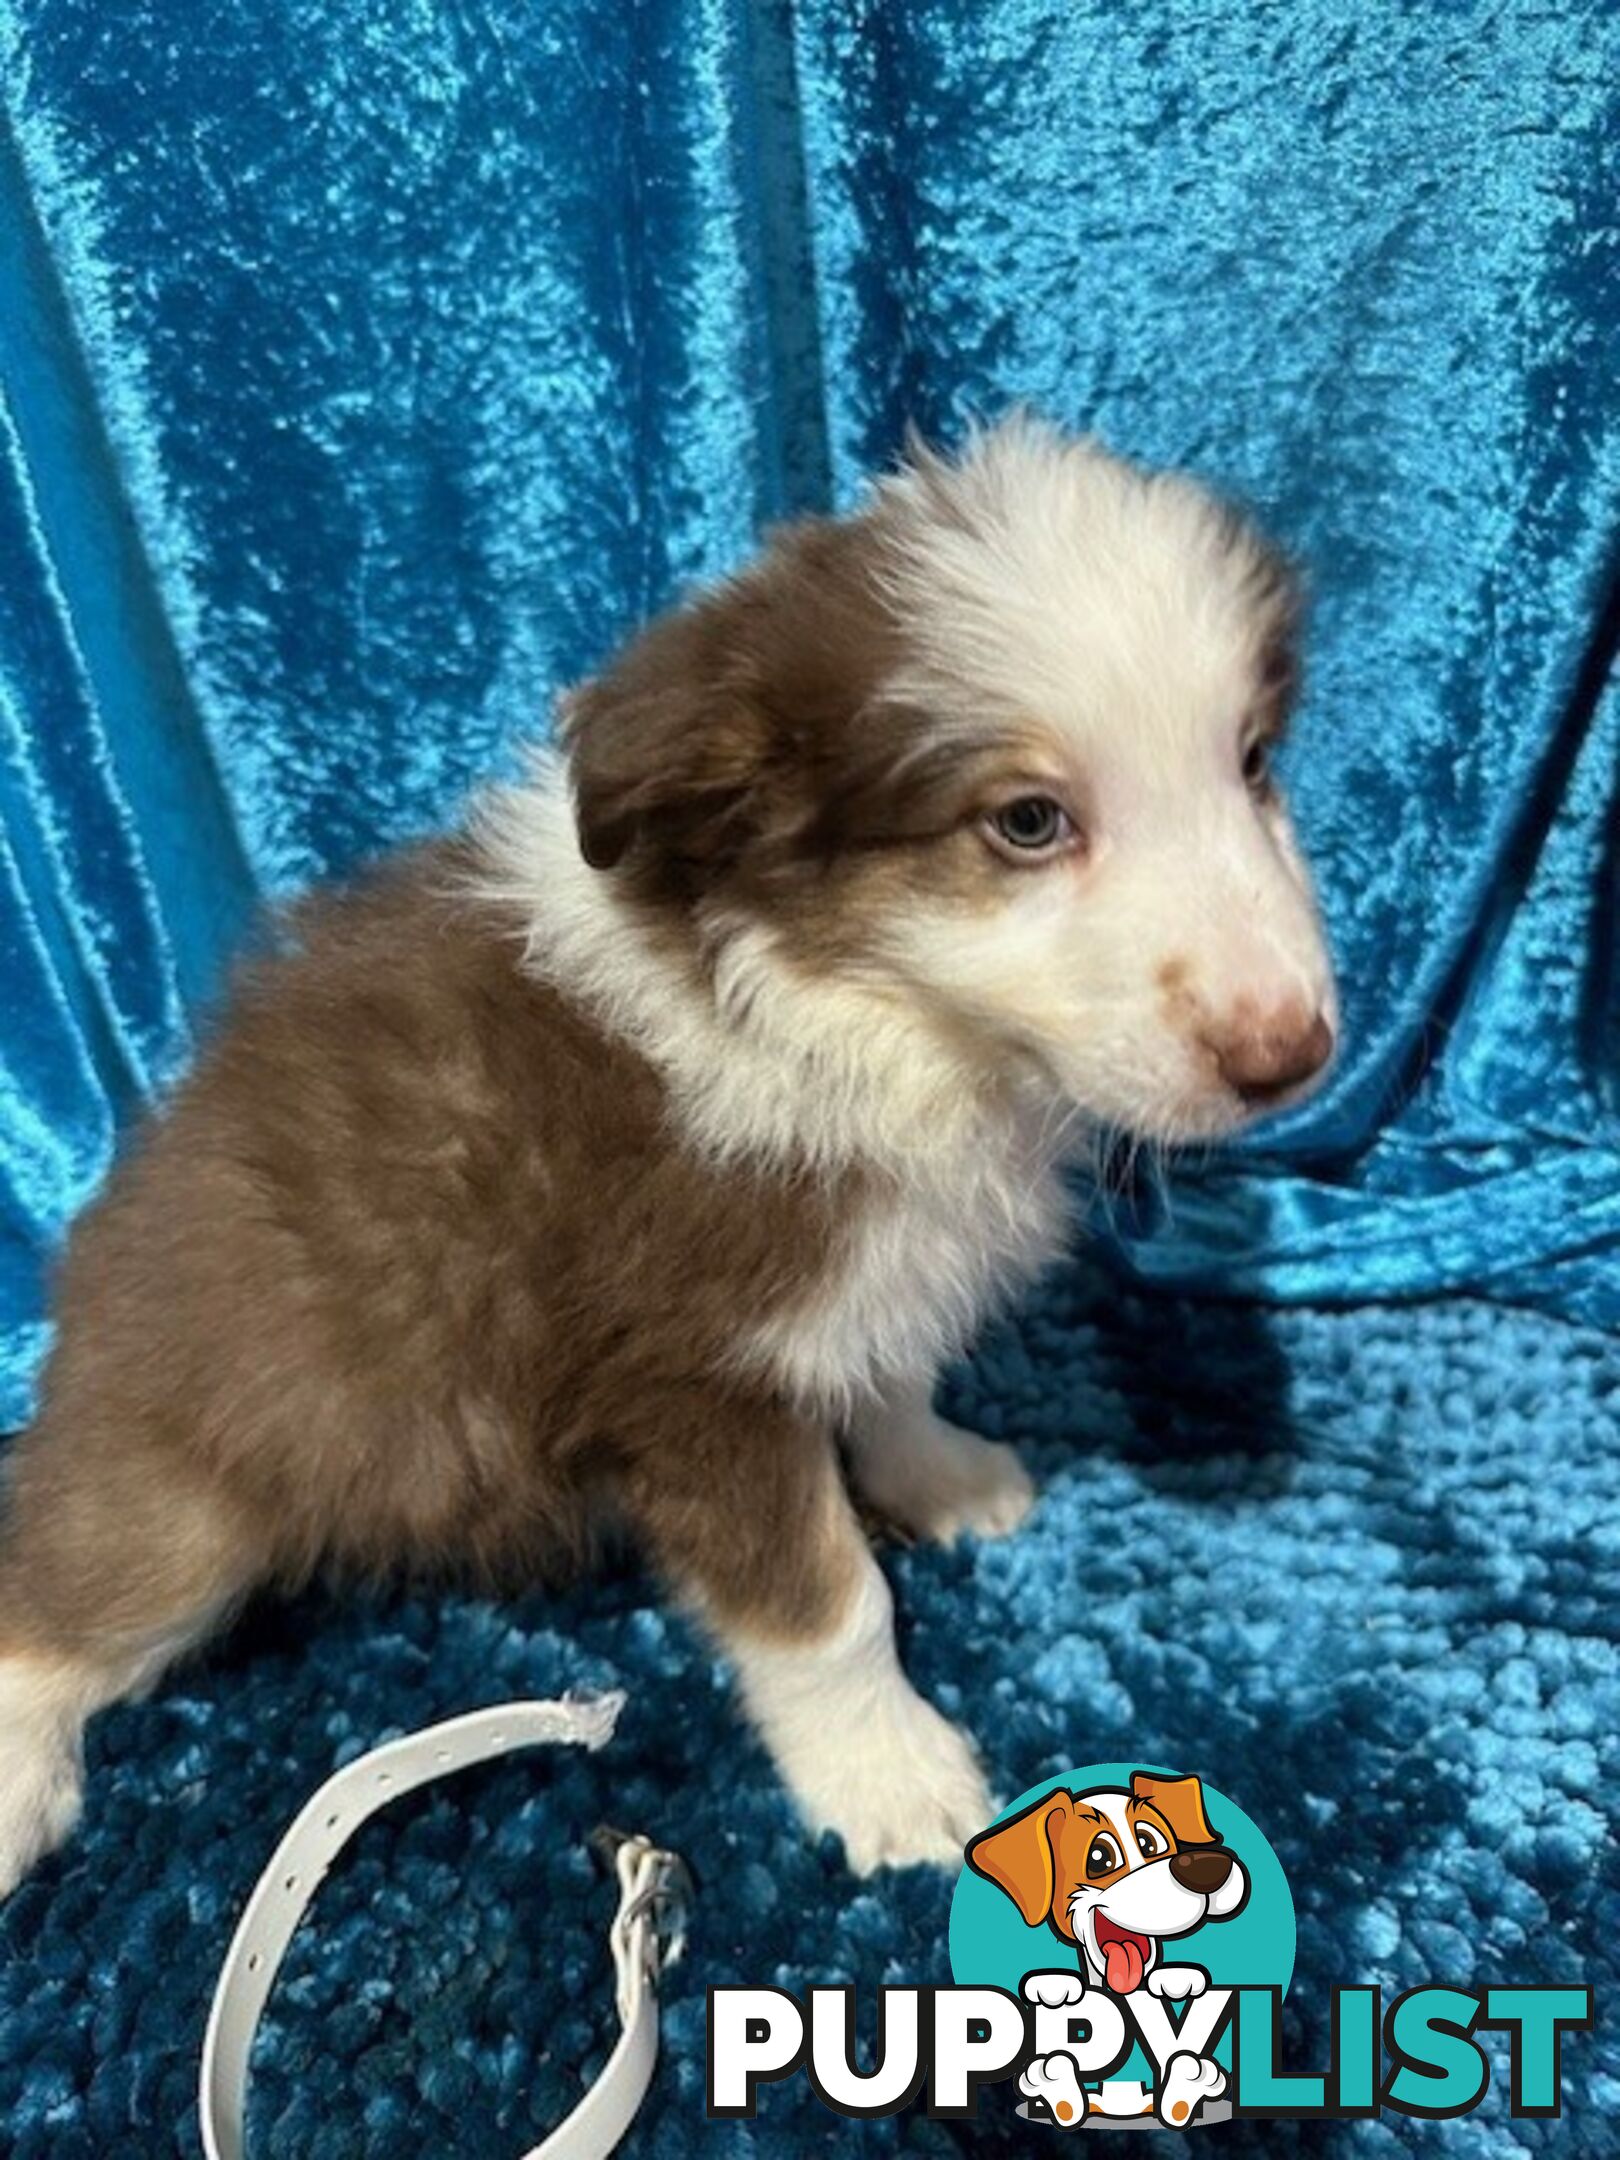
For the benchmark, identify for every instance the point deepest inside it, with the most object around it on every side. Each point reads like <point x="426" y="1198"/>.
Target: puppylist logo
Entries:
<point x="1118" y="1877"/>
<point x="1121" y="1940"/>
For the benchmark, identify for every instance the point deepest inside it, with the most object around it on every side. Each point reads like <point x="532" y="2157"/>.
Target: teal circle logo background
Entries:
<point x="991" y="1947"/>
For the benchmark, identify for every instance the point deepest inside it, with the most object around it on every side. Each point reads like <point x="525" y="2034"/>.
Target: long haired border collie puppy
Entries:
<point x="634" y="1159"/>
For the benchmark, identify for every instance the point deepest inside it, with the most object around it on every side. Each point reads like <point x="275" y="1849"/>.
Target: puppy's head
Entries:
<point x="1115" y="1872"/>
<point x="999" y="744"/>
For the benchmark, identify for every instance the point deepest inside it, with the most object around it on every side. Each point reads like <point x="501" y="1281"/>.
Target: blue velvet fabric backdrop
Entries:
<point x="367" y="368"/>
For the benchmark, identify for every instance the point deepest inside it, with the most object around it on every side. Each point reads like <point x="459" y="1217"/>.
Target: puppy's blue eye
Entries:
<point x="1032" y="825"/>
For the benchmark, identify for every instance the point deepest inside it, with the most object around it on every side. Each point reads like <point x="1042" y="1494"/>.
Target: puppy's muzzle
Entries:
<point x="1266" y="1058"/>
<point x="1201" y="1872"/>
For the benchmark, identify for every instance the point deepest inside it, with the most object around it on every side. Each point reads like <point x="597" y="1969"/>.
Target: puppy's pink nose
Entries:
<point x="1263" y="1056"/>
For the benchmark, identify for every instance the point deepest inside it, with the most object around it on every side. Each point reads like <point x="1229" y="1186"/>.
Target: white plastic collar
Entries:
<point x="646" y="1937"/>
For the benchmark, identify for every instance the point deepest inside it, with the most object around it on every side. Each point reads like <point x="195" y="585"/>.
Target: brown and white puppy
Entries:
<point x="611" y="1162"/>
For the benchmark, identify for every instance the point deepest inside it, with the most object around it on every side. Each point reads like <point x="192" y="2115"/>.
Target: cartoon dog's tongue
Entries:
<point x="1124" y="1956"/>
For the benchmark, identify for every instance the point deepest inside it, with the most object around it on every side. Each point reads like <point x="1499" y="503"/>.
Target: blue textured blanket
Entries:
<point x="367" y="367"/>
<point x="1363" y="1569"/>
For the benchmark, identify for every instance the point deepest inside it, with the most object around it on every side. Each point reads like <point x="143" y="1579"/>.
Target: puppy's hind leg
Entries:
<point x="747" y="1512"/>
<point x="108" y="1571"/>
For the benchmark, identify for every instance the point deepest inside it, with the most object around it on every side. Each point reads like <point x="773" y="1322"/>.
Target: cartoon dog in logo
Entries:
<point x="1116" y="1873"/>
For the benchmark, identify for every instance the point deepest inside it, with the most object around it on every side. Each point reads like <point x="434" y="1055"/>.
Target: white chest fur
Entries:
<point x="766" y="1065"/>
<point x="913" y="1278"/>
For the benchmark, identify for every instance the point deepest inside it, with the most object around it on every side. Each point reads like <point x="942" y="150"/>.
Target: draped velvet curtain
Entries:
<point x="367" y="367"/>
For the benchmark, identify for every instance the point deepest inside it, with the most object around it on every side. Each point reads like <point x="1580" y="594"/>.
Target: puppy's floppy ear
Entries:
<point x="1180" y="1800"/>
<point x="663" y="752"/>
<point x="1017" y="1856"/>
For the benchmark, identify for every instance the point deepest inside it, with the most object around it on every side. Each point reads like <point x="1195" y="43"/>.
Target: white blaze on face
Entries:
<point x="1119" y="623"/>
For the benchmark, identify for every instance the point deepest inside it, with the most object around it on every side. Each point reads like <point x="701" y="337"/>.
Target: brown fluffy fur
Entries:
<point x="408" y="1272"/>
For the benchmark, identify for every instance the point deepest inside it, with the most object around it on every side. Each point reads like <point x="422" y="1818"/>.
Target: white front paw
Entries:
<point x="1054" y="1990"/>
<point x="935" y="1481"/>
<point x="1056" y="2080"/>
<point x="1177" y="1983"/>
<point x="899" y="1785"/>
<point x="1189" y="2081"/>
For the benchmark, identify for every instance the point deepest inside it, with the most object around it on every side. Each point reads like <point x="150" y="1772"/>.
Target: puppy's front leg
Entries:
<point x="746" y="1512"/>
<point x="930" y="1478"/>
